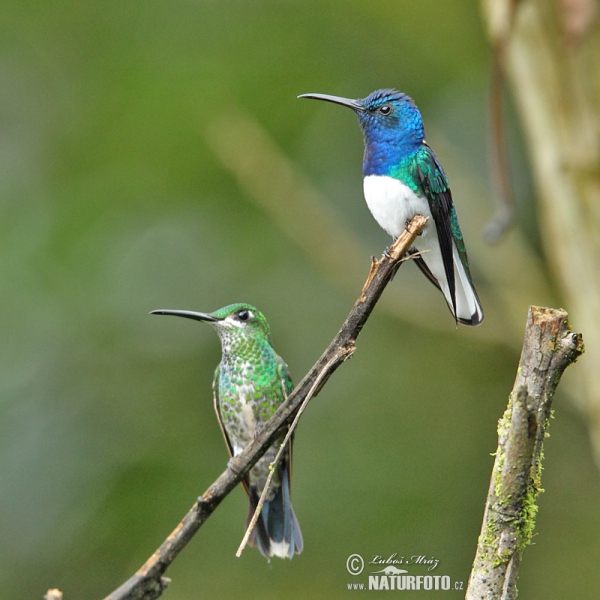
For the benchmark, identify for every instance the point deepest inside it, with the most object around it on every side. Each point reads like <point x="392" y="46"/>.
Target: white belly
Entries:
<point x="247" y="429"/>
<point x="393" y="204"/>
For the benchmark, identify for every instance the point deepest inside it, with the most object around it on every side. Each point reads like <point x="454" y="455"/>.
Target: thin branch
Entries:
<point x="509" y="518"/>
<point x="148" y="583"/>
<point x="500" y="24"/>
<point x="504" y="215"/>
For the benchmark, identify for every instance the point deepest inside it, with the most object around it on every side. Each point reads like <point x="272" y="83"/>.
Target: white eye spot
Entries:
<point x="385" y="110"/>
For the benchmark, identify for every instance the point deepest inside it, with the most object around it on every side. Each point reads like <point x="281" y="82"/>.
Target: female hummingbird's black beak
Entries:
<point x="188" y="314"/>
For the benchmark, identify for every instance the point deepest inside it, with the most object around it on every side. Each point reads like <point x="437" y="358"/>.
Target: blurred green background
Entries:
<point x="118" y="195"/>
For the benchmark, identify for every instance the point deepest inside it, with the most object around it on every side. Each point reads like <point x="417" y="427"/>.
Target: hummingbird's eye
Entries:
<point x="244" y="315"/>
<point x="385" y="110"/>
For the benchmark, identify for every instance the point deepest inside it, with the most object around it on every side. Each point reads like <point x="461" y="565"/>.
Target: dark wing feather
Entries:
<point x="437" y="191"/>
<point x="418" y="260"/>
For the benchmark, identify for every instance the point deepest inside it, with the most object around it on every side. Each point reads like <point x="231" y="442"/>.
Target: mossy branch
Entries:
<point x="509" y="518"/>
<point x="148" y="583"/>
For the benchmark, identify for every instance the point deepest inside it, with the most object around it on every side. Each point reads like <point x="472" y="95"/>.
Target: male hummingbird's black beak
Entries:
<point x="353" y="104"/>
<point x="188" y="314"/>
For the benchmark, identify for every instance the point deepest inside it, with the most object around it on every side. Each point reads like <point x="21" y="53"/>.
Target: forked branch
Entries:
<point x="148" y="583"/>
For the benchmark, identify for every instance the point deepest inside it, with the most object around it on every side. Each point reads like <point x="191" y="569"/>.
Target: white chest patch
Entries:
<point x="242" y="434"/>
<point x="248" y="417"/>
<point x="393" y="204"/>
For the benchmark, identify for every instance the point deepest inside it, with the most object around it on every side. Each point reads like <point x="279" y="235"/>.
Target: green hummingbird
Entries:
<point x="250" y="383"/>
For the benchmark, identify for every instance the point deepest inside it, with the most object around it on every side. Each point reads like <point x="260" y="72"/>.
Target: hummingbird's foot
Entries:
<point x="232" y="466"/>
<point x="257" y="431"/>
<point x="386" y="252"/>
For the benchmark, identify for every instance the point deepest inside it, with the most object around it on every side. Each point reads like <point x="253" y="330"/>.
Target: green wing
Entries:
<point x="286" y="381"/>
<point x="286" y="388"/>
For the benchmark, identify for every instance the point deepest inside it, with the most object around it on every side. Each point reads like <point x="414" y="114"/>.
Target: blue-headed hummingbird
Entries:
<point x="402" y="177"/>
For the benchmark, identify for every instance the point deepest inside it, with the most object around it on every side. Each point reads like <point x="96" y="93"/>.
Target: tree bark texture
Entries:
<point x="509" y="518"/>
<point x="549" y="52"/>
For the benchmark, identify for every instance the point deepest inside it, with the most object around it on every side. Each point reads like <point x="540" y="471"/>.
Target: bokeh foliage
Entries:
<point x="114" y="203"/>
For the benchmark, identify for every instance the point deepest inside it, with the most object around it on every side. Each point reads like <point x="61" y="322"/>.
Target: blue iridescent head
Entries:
<point x="392" y="127"/>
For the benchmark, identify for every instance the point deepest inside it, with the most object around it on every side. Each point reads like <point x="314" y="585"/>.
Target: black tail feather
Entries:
<point x="277" y="532"/>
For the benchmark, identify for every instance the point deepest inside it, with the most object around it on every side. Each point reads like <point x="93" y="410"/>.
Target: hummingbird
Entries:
<point x="402" y="177"/>
<point x="250" y="383"/>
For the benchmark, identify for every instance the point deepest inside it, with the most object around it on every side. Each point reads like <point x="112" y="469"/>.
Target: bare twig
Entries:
<point x="505" y="202"/>
<point x="148" y="583"/>
<point x="500" y="25"/>
<point x="509" y="519"/>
